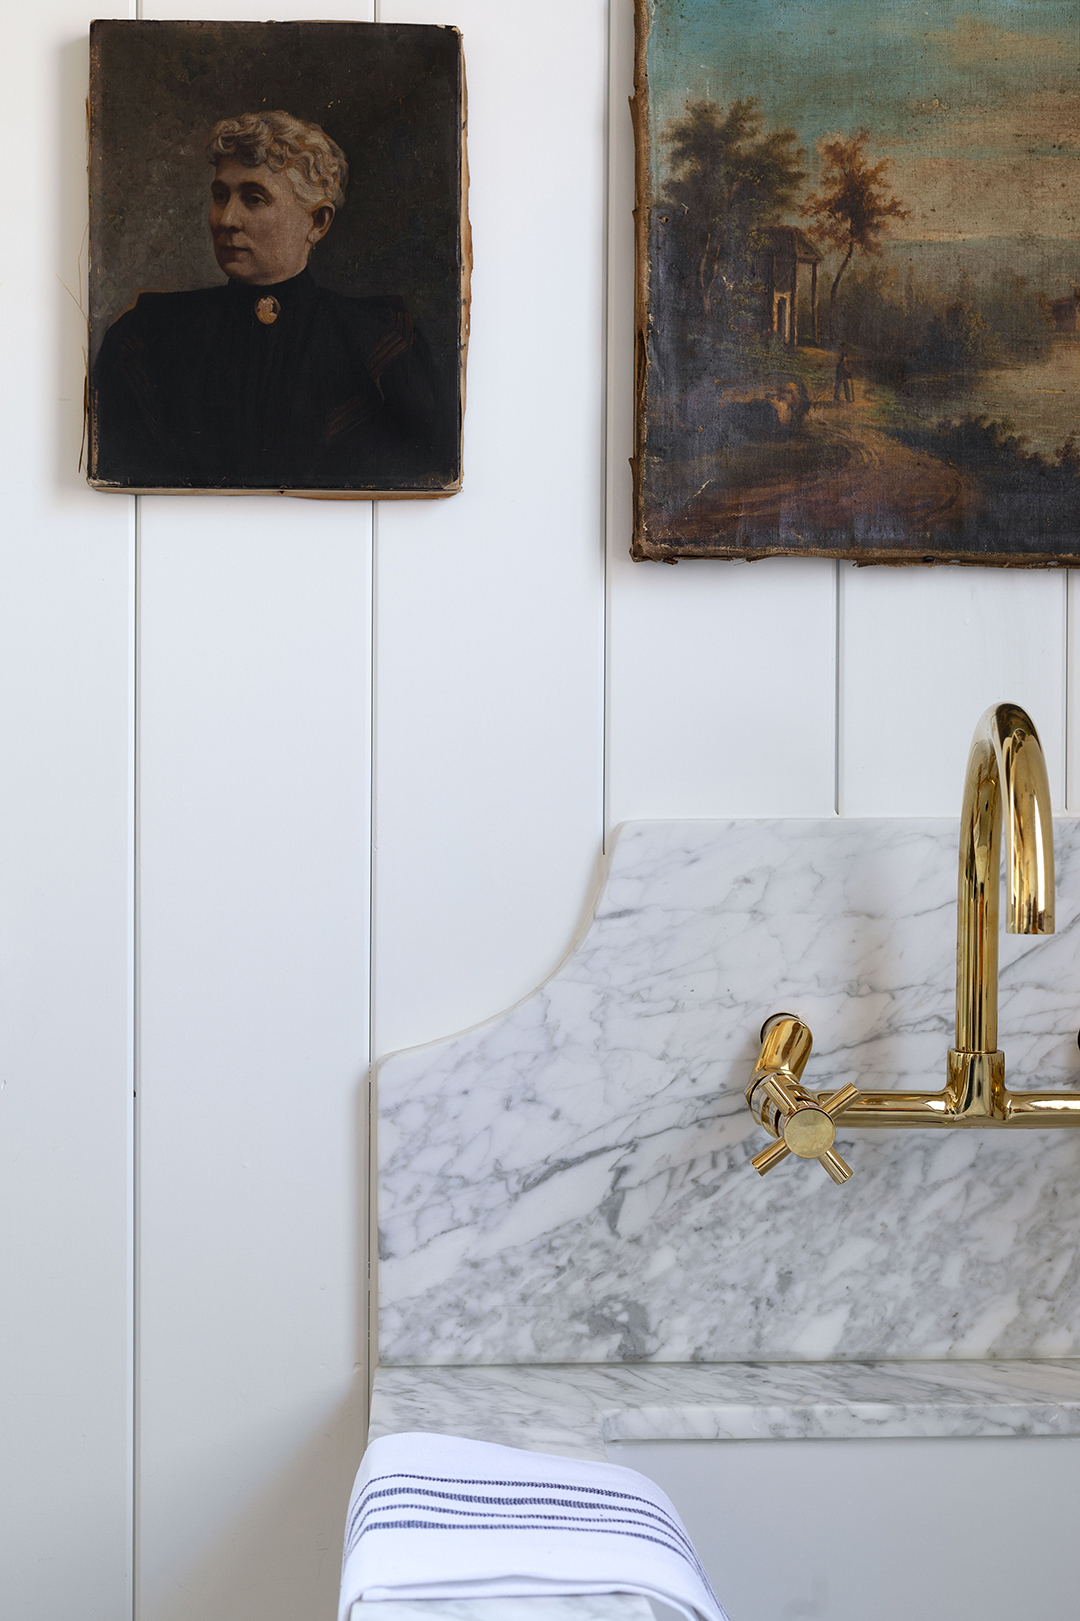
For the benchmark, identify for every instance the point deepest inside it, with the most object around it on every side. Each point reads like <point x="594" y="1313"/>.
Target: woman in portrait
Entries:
<point x="269" y="380"/>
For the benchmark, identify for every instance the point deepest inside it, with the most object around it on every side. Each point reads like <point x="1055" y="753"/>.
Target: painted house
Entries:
<point x="784" y="252"/>
<point x="1066" y="312"/>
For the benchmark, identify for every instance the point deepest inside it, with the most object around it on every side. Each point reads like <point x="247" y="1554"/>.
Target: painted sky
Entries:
<point x="977" y="105"/>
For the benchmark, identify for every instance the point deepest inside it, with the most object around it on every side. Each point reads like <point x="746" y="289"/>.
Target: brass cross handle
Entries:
<point x="801" y="1122"/>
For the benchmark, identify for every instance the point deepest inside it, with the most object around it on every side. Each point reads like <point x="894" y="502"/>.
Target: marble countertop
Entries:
<point x="576" y="1410"/>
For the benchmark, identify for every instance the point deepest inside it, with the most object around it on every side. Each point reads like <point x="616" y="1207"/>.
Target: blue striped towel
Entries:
<point x="436" y="1516"/>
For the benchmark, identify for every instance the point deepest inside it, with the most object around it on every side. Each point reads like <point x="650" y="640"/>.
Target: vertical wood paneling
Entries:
<point x="489" y="606"/>
<point x="1072" y="693"/>
<point x="254" y="815"/>
<point x="923" y="653"/>
<point x="721" y="685"/>
<point x="254" y="934"/>
<point x="722" y="690"/>
<point x="65" y="886"/>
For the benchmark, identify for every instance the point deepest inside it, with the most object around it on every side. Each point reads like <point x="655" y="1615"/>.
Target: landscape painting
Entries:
<point x="858" y="280"/>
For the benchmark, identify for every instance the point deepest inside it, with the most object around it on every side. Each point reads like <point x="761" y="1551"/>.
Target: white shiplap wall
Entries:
<point x="286" y="782"/>
<point x="66" y="829"/>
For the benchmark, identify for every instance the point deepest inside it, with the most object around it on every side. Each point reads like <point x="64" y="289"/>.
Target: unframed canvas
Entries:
<point x="858" y="281"/>
<point x="279" y="258"/>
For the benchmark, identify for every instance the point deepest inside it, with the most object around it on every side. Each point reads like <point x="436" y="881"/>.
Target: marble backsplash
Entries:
<point x="570" y="1181"/>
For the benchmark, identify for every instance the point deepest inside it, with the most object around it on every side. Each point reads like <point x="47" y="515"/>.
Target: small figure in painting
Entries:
<point x="844" y="380"/>
<point x="268" y="379"/>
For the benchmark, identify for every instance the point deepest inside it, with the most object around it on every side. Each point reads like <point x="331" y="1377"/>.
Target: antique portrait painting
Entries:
<point x="858" y="280"/>
<point x="278" y="258"/>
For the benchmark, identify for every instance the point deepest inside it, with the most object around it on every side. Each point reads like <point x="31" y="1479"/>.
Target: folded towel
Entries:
<point x="436" y="1516"/>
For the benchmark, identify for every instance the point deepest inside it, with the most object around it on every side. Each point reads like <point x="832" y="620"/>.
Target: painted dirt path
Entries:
<point x="871" y="487"/>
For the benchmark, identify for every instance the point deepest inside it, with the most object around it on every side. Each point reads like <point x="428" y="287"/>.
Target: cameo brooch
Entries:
<point x="268" y="309"/>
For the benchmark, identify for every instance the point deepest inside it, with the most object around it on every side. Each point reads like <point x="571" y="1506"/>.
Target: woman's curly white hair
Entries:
<point x="315" y="165"/>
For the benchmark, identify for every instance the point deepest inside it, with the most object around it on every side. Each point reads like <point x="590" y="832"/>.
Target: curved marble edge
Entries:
<point x="571" y="1181"/>
<point x="491" y="1021"/>
<point x="576" y="1410"/>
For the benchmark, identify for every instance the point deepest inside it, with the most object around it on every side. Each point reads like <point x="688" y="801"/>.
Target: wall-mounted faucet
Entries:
<point x="1006" y="783"/>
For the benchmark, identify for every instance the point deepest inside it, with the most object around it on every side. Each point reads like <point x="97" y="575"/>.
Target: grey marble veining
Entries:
<point x="570" y="1181"/>
<point x="575" y="1411"/>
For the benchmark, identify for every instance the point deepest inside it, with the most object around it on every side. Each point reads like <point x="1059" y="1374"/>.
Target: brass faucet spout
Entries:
<point x="1006" y="789"/>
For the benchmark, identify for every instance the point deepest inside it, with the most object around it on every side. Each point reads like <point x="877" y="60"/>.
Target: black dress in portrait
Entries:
<point x="284" y="387"/>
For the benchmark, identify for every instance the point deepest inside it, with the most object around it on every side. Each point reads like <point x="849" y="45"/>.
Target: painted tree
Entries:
<point x="728" y="177"/>
<point x="853" y="208"/>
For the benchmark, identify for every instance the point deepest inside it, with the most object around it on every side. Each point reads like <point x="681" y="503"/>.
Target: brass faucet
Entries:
<point x="1006" y="782"/>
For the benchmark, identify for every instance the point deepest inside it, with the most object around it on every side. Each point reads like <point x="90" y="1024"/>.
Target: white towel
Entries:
<point x="436" y="1516"/>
